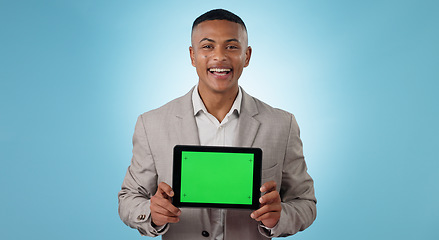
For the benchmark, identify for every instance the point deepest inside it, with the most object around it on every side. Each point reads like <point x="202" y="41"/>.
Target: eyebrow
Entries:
<point x="227" y="41"/>
<point x="233" y="40"/>
<point x="207" y="39"/>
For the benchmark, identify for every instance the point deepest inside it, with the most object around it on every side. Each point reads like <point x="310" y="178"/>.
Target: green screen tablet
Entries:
<point x="218" y="177"/>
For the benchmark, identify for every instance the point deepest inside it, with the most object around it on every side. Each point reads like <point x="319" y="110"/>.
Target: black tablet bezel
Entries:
<point x="176" y="177"/>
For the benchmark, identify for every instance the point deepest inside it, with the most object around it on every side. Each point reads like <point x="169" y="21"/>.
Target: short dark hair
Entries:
<point x="218" y="14"/>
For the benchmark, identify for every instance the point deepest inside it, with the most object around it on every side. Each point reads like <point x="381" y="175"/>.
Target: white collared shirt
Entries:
<point x="214" y="133"/>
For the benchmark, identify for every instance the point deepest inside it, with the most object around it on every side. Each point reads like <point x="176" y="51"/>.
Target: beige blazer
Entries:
<point x="274" y="131"/>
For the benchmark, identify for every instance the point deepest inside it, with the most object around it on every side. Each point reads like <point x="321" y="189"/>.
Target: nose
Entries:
<point x="219" y="54"/>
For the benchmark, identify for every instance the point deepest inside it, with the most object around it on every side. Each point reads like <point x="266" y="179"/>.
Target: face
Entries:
<point x="219" y="52"/>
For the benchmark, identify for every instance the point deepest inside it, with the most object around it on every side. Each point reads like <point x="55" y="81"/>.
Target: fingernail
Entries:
<point x="171" y="192"/>
<point x="260" y="200"/>
<point x="252" y="215"/>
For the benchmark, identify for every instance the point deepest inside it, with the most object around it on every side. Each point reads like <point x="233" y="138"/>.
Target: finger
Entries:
<point x="269" y="215"/>
<point x="266" y="209"/>
<point x="268" y="186"/>
<point x="165" y="190"/>
<point x="161" y="220"/>
<point x="158" y="202"/>
<point x="270" y="197"/>
<point x="163" y="211"/>
<point x="164" y="207"/>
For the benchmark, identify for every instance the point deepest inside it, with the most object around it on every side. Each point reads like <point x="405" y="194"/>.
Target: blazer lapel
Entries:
<point x="187" y="130"/>
<point x="186" y="125"/>
<point x="248" y="126"/>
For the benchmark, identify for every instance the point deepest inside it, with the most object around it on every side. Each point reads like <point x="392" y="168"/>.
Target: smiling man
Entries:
<point x="219" y="52"/>
<point x="218" y="112"/>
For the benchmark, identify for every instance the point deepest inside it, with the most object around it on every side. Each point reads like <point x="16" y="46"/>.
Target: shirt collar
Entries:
<point x="198" y="104"/>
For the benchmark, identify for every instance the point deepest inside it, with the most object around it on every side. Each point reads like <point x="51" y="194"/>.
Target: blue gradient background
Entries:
<point x="360" y="76"/>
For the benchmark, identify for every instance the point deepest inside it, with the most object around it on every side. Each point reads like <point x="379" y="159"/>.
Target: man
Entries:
<point x="217" y="112"/>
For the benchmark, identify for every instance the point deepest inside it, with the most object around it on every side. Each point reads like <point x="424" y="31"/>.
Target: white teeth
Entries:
<point x="220" y="70"/>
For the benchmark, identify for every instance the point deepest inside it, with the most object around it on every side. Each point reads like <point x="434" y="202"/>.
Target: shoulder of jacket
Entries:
<point x="266" y="109"/>
<point x="170" y="108"/>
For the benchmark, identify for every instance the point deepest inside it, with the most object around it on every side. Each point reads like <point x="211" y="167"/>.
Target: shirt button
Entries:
<point x="205" y="233"/>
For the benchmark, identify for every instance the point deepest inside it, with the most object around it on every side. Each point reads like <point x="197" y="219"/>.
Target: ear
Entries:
<point x="248" y="54"/>
<point x="191" y="53"/>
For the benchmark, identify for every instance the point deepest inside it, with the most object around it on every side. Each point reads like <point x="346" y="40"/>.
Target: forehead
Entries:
<point x="219" y="30"/>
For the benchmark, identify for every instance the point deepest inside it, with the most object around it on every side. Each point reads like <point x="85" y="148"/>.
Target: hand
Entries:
<point x="269" y="212"/>
<point x="162" y="210"/>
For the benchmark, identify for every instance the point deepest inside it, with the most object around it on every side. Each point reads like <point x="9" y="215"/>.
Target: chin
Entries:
<point x="223" y="86"/>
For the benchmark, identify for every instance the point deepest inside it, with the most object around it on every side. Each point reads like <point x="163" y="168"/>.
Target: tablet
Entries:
<point x="216" y="177"/>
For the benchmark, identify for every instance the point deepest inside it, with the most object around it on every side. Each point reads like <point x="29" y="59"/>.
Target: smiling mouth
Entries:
<point x="220" y="71"/>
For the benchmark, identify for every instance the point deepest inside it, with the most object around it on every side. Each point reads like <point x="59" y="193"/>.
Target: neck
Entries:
<point x="218" y="103"/>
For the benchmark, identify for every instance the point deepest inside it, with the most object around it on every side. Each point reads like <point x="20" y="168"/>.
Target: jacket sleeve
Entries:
<point x="139" y="185"/>
<point x="296" y="190"/>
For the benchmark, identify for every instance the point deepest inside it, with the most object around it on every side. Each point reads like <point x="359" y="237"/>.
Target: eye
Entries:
<point x="232" y="47"/>
<point x="206" y="46"/>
